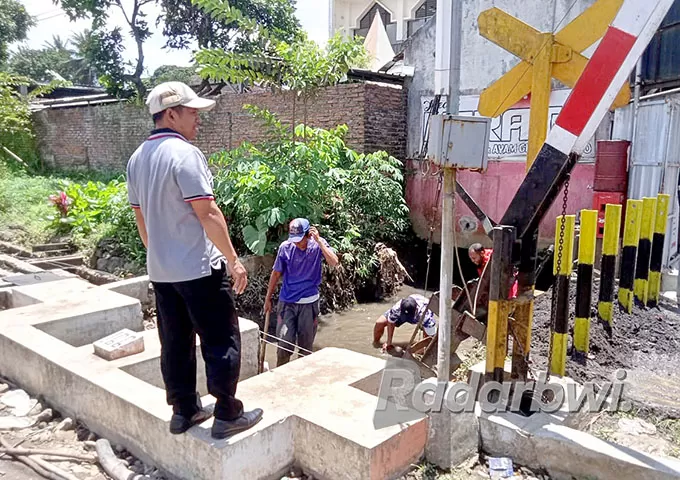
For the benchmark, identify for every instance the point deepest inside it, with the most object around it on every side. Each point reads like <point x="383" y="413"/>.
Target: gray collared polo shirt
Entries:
<point x="164" y="175"/>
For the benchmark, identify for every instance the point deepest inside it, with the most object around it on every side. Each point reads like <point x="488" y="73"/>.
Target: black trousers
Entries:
<point x="204" y="306"/>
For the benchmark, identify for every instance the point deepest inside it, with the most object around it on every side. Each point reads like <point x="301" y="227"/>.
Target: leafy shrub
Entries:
<point x="100" y="207"/>
<point x="356" y="199"/>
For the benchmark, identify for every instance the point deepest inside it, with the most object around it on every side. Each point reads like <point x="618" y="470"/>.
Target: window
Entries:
<point x="427" y="9"/>
<point x="367" y="20"/>
<point x="423" y="13"/>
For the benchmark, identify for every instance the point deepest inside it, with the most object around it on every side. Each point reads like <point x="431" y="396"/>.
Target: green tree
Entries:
<point x="106" y="46"/>
<point x="82" y="66"/>
<point x="185" y="23"/>
<point x="55" y="61"/>
<point x="299" y="68"/>
<point x="172" y="73"/>
<point x="14" y="24"/>
<point x="16" y="132"/>
<point x="40" y="65"/>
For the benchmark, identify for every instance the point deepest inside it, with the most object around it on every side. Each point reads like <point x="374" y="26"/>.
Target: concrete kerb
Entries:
<point x="137" y="287"/>
<point x="46" y="348"/>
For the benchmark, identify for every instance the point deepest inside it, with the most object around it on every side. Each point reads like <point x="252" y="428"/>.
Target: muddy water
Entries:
<point x="353" y="329"/>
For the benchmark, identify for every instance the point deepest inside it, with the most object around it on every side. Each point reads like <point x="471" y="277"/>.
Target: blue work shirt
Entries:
<point x="301" y="270"/>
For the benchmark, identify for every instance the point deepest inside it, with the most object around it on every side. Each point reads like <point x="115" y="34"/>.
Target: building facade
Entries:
<point x="402" y="18"/>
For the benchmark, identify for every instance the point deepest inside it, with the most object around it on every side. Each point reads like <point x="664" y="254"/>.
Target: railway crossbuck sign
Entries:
<point x="598" y="86"/>
<point x="544" y="56"/>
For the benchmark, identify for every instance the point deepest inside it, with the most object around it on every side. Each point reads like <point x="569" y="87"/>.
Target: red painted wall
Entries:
<point x="493" y="191"/>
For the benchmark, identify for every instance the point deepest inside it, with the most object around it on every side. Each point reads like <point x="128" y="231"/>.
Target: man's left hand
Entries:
<point x="314" y="233"/>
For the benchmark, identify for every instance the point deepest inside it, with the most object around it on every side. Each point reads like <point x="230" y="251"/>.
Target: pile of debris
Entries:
<point x="477" y="468"/>
<point x="37" y="437"/>
<point x="644" y="332"/>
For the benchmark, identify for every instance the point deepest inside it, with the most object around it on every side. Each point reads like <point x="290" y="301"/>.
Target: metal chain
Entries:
<point x="560" y="249"/>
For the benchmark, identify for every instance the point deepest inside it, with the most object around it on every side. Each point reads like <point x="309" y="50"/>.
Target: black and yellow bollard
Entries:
<point x="499" y="302"/>
<point x="584" y="282"/>
<point x="562" y="267"/>
<point x="631" y="237"/>
<point x="610" y="251"/>
<point x="641" y="287"/>
<point x="661" y="217"/>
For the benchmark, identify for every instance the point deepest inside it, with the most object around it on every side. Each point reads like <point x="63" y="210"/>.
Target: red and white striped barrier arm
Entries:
<point x="606" y="72"/>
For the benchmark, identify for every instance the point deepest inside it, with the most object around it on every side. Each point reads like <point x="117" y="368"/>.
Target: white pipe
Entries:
<point x="633" y="123"/>
<point x="661" y="94"/>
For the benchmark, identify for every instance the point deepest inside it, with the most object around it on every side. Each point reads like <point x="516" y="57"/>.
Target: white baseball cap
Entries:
<point x="174" y="94"/>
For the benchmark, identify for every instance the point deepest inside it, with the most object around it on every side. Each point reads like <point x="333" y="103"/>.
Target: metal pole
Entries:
<point x="446" y="276"/>
<point x="455" y="56"/>
<point x="449" y="15"/>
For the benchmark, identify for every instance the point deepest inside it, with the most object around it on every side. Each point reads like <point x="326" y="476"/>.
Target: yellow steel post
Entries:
<point x="561" y="291"/>
<point x="631" y="237"/>
<point x="656" y="261"/>
<point x="540" y="97"/>
<point x="644" y="250"/>
<point x="499" y="305"/>
<point x="584" y="282"/>
<point x="610" y="252"/>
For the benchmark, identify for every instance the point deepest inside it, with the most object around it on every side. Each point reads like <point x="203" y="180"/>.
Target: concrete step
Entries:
<point x="49" y="247"/>
<point x="58" y="262"/>
<point x="16" y="265"/>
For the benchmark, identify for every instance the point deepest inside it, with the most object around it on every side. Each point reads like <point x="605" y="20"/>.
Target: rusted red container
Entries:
<point x="611" y="166"/>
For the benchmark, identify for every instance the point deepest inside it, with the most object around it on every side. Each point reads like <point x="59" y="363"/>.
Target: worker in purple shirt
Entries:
<point x="298" y="261"/>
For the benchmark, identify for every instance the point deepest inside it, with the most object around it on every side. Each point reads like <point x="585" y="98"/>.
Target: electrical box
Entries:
<point x="459" y="141"/>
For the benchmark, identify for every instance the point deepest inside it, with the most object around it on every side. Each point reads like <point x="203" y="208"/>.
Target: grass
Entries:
<point x="25" y="207"/>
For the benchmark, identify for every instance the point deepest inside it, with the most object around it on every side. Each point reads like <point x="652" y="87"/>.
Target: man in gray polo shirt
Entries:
<point x="188" y="253"/>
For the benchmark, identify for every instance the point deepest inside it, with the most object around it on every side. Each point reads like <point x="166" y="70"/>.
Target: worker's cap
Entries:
<point x="298" y="229"/>
<point x="408" y="309"/>
<point x="175" y="94"/>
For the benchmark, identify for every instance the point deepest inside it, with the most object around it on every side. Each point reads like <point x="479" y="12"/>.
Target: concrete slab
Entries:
<point x="24" y="279"/>
<point x="544" y="441"/>
<point x="41" y="292"/>
<point x="137" y="287"/>
<point x="77" y="320"/>
<point x="313" y="415"/>
<point x="147" y="367"/>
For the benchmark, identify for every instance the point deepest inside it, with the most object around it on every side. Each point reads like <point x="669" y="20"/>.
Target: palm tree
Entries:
<point x="56" y="44"/>
<point x="80" y="65"/>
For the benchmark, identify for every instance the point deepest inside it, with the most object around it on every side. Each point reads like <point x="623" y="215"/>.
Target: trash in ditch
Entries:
<point x="500" y="467"/>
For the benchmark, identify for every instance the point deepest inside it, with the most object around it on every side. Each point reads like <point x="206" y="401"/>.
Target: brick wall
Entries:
<point x="104" y="136"/>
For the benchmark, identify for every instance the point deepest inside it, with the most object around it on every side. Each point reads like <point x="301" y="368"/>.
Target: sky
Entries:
<point x="51" y="20"/>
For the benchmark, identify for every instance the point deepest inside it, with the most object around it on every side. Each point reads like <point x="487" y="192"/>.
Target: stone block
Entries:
<point x="120" y="344"/>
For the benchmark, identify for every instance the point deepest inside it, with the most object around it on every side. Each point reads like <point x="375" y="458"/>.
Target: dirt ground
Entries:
<point x="27" y="423"/>
<point x="646" y="333"/>
<point x="476" y="468"/>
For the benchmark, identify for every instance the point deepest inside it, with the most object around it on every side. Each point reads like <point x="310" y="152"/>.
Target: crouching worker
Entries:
<point x="409" y="310"/>
<point x="298" y="261"/>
